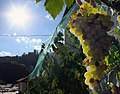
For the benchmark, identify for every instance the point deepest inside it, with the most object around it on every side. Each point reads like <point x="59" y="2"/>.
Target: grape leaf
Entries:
<point x="69" y="3"/>
<point x="117" y="31"/>
<point x="54" y="7"/>
<point x="38" y="1"/>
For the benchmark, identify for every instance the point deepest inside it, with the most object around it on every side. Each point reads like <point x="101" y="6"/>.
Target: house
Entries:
<point x="22" y="85"/>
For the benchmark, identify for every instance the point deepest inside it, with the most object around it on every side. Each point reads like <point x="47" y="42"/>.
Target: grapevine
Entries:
<point x="90" y="26"/>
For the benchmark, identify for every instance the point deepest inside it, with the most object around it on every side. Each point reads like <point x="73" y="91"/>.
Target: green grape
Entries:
<point x="87" y="81"/>
<point x="85" y="49"/>
<point x="88" y="75"/>
<point x="108" y="18"/>
<point x="118" y="18"/>
<point x="94" y="92"/>
<point x="97" y="22"/>
<point x="78" y="33"/>
<point x="91" y="68"/>
<point x="90" y="53"/>
<point x="101" y="17"/>
<point x="81" y="41"/>
<point x="105" y="23"/>
<point x="111" y="23"/>
<point x="96" y="76"/>
<point x="72" y="30"/>
<point x="91" y="16"/>
<point x="87" y="42"/>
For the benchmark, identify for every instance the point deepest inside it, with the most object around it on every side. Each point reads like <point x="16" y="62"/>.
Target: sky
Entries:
<point x="24" y="17"/>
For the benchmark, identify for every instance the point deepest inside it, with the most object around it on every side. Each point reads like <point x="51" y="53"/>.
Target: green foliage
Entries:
<point x="62" y="71"/>
<point x="54" y="7"/>
<point x="117" y="33"/>
<point x="69" y="3"/>
<point x="38" y="1"/>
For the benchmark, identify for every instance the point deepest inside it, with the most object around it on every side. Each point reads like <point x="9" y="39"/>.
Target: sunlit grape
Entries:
<point x="88" y="75"/>
<point x="96" y="76"/>
<point x="91" y="68"/>
<point x="72" y="30"/>
<point x="118" y="18"/>
<point x="87" y="81"/>
<point x="74" y="16"/>
<point x="78" y="33"/>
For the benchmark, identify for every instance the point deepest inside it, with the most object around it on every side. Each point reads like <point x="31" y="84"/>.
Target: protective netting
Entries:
<point x="61" y="27"/>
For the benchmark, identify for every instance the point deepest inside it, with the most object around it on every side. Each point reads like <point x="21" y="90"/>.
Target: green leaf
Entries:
<point x="69" y="3"/>
<point x="117" y="31"/>
<point x="38" y="1"/>
<point x="54" y="7"/>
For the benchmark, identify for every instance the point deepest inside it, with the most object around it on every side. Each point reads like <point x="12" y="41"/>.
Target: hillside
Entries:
<point x="16" y="67"/>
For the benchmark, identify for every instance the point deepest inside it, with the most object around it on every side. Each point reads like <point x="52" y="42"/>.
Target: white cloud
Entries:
<point x="28" y="40"/>
<point x="4" y="53"/>
<point x="26" y="47"/>
<point x="36" y="40"/>
<point x="18" y="40"/>
<point x="48" y="16"/>
<point x="37" y="47"/>
<point x="14" y="34"/>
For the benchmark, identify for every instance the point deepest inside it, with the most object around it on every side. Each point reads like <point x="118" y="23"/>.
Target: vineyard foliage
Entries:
<point x="62" y="71"/>
<point x="87" y="59"/>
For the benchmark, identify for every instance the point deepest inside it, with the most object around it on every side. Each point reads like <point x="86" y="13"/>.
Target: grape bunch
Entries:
<point x="90" y="27"/>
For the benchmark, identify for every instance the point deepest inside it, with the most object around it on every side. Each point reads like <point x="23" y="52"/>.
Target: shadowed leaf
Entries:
<point x="54" y="7"/>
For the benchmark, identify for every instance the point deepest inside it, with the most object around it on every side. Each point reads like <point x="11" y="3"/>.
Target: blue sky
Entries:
<point x="39" y="23"/>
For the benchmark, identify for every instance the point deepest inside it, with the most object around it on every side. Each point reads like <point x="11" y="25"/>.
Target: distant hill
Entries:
<point x="16" y="67"/>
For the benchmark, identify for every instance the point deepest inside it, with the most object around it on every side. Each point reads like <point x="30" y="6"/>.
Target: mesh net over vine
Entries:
<point x="61" y="27"/>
